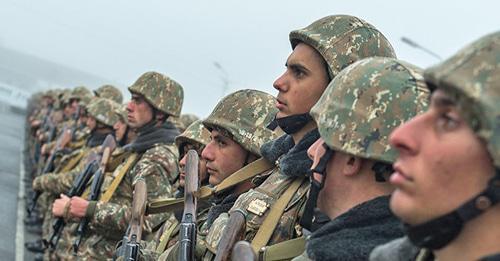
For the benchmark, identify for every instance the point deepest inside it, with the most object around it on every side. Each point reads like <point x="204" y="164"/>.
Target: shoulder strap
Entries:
<point x="73" y="161"/>
<point x="267" y="228"/>
<point x="166" y="235"/>
<point x="284" y="250"/>
<point x="120" y="173"/>
<point x="249" y="171"/>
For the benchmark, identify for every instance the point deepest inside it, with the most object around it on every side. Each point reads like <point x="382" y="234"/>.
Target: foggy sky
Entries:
<point x="120" y="40"/>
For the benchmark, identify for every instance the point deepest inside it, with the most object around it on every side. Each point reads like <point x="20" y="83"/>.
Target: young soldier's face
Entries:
<point x="202" y="167"/>
<point x="441" y="163"/>
<point x="120" y="128"/>
<point x="303" y="82"/>
<point x="91" y="122"/>
<point x="224" y="156"/>
<point x="139" y="111"/>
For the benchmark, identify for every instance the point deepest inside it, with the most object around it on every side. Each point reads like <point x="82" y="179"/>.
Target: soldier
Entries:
<point x="195" y="137"/>
<point x="186" y="120"/>
<point x="109" y="92"/>
<point x="152" y="156"/>
<point x="447" y="173"/>
<point x="352" y="159"/>
<point x="320" y="51"/>
<point x="237" y="128"/>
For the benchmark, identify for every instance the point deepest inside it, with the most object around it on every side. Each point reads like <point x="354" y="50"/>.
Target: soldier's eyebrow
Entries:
<point x="441" y="100"/>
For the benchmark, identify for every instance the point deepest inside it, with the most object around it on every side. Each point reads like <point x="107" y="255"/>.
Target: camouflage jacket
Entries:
<point x="109" y="221"/>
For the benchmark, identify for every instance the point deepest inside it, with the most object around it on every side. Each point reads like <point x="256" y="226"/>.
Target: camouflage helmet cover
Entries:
<point x="472" y="78"/>
<point x="245" y="115"/>
<point x="121" y="112"/>
<point x="161" y="92"/>
<point x="194" y="133"/>
<point x="103" y="110"/>
<point x="187" y="119"/>
<point x="342" y="40"/>
<point x="82" y="94"/>
<point x="109" y="92"/>
<point x="365" y="102"/>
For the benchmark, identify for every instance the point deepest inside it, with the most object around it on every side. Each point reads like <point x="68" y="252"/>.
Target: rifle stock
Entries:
<point x="242" y="250"/>
<point x="131" y="241"/>
<point x="234" y="232"/>
<point x="187" y="231"/>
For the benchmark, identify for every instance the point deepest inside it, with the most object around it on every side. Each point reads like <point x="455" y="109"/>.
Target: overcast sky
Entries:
<point x="120" y="40"/>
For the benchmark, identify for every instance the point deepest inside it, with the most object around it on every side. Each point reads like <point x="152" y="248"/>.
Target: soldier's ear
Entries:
<point x="351" y="165"/>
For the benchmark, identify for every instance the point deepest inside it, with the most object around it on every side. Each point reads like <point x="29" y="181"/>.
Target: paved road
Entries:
<point x="11" y="144"/>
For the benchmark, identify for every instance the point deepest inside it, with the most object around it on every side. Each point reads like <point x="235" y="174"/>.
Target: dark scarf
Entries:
<point x="95" y="139"/>
<point x="149" y="135"/>
<point x="220" y="204"/>
<point x="293" y="159"/>
<point x="354" y="234"/>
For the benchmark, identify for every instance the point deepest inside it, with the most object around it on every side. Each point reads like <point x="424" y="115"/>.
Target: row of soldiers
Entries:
<point x="359" y="156"/>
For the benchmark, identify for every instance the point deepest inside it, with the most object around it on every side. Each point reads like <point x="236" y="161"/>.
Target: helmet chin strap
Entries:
<point x="291" y="124"/>
<point x="307" y="218"/>
<point x="439" y="232"/>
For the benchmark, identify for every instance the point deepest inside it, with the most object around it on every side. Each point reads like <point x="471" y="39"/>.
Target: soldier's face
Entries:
<point x="303" y="82"/>
<point x="91" y="123"/>
<point x="120" y="128"/>
<point x="224" y="156"/>
<point x="139" y="111"/>
<point x="202" y="167"/>
<point x="441" y="163"/>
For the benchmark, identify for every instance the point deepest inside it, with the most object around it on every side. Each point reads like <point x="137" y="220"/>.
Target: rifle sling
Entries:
<point x="166" y="235"/>
<point x="249" y="171"/>
<point x="267" y="228"/>
<point x="284" y="250"/>
<point x="119" y="173"/>
<point x="73" y="161"/>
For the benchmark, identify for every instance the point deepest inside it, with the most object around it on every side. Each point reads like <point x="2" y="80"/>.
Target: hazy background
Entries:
<point x="93" y="42"/>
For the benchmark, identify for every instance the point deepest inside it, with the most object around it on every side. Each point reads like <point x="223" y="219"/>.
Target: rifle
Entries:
<point x="78" y="188"/>
<point x="95" y="188"/>
<point x="234" y="232"/>
<point x="242" y="250"/>
<point x="130" y="248"/>
<point x="49" y="165"/>
<point x="187" y="231"/>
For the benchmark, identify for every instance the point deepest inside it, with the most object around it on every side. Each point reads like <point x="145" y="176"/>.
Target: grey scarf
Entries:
<point x="149" y="135"/>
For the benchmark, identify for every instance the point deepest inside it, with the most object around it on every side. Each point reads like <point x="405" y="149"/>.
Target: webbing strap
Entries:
<point x="120" y="173"/>
<point x="267" y="228"/>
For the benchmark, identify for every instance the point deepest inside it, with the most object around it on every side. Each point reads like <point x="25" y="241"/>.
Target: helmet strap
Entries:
<point x="437" y="233"/>
<point x="308" y="216"/>
<point x="293" y="123"/>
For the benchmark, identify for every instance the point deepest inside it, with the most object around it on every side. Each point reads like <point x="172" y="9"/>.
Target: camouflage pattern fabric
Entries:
<point x="195" y="133"/>
<point x="472" y="78"/>
<point x="268" y="192"/>
<point x="109" y="92"/>
<point x="82" y="94"/>
<point x="342" y="40"/>
<point x="365" y="102"/>
<point x="186" y="120"/>
<point x="161" y="92"/>
<point x="103" y="110"/>
<point x="245" y="115"/>
<point x="109" y="221"/>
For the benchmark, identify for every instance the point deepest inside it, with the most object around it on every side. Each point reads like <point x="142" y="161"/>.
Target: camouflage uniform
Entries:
<point x="341" y="40"/>
<point x="471" y="79"/>
<point x="355" y="115"/>
<point x="156" y="164"/>
<point x="242" y="115"/>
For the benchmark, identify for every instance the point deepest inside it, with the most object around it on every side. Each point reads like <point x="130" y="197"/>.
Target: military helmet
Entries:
<point x="103" y="110"/>
<point x="194" y="133"/>
<point x="365" y="102"/>
<point x="161" y="92"/>
<point x="82" y="94"/>
<point x="121" y="112"/>
<point x="342" y="40"/>
<point x="187" y="119"/>
<point x="245" y="115"/>
<point x="472" y="78"/>
<point x="109" y="92"/>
